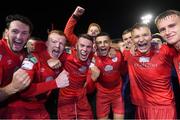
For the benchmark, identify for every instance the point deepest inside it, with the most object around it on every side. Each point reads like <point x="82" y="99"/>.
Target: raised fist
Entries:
<point x="79" y="11"/>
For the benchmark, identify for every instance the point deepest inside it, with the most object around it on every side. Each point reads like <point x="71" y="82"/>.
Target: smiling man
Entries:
<point x="30" y="104"/>
<point x="18" y="30"/>
<point x="73" y="103"/>
<point x="150" y="75"/>
<point x="109" y="79"/>
<point x="168" y="24"/>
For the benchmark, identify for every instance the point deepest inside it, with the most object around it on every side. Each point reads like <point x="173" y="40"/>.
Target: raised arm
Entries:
<point x="70" y="25"/>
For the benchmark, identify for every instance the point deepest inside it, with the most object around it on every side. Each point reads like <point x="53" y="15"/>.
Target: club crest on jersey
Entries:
<point x="27" y="65"/>
<point x="9" y="61"/>
<point x="42" y="69"/>
<point x="82" y="69"/>
<point x="114" y="59"/>
<point x="49" y="78"/>
<point x="144" y="59"/>
<point x="108" y="68"/>
<point x="21" y="57"/>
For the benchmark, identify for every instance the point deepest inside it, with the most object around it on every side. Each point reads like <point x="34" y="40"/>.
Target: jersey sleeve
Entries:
<point x="69" y="30"/>
<point x="30" y="65"/>
<point x="90" y="84"/>
<point x="38" y="88"/>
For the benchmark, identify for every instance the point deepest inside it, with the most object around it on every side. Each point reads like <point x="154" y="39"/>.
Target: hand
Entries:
<point x="20" y="80"/>
<point x="54" y="63"/>
<point x="79" y="11"/>
<point x="95" y="72"/>
<point x="112" y="53"/>
<point x="63" y="79"/>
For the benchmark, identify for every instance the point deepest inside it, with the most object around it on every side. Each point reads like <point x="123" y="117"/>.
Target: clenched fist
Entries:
<point x="20" y="80"/>
<point x="54" y="63"/>
<point x="62" y="79"/>
<point x="95" y="72"/>
<point x="79" y="11"/>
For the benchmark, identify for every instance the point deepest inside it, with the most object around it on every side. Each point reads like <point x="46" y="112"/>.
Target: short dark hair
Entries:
<point x="127" y="31"/>
<point x="165" y="14"/>
<point x="138" y="25"/>
<point x="23" y="19"/>
<point x="87" y="37"/>
<point x="103" y="34"/>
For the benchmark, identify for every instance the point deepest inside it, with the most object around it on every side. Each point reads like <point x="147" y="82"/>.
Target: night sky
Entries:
<point x="114" y="16"/>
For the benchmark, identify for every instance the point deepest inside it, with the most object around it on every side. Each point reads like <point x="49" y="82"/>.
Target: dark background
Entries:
<point x="114" y="16"/>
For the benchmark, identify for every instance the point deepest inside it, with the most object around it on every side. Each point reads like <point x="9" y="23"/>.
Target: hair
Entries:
<point x="126" y="31"/>
<point x="138" y="25"/>
<point x="23" y="19"/>
<point x="165" y="14"/>
<point x="103" y="34"/>
<point x="59" y="32"/>
<point x="87" y="37"/>
<point x="157" y="35"/>
<point x="95" y="24"/>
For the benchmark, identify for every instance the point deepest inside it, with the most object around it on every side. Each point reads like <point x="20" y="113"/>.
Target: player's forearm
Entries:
<point x="6" y="91"/>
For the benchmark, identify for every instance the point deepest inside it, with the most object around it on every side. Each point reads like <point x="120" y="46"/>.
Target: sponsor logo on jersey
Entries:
<point x="144" y="59"/>
<point x="21" y="57"/>
<point x="108" y="68"/>
<point x="49" y="78"/>
<point x="114" y="59"/>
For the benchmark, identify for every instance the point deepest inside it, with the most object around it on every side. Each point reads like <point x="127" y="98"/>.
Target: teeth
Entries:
<point x="55" y="53"/>
<point x="83" y="52"/>
<point x="18" y="41"/>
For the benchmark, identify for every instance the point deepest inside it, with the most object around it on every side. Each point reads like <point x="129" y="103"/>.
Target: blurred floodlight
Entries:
<point x="146" y="18"/>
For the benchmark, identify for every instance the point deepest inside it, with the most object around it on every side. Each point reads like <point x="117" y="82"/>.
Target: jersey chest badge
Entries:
<point x="21" y="57"/>
<point x="42" y="69"/>
<point x="9" y="61"/>
<point x="108" y="68"/>
<point x="82" y="69"/>
<point x="144" y="59"/>
<point x="114" y="59"/>
<point x="49" y="78"/>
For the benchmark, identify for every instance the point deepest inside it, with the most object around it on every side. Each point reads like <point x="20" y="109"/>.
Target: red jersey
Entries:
<point x="42" y="79"/>
<point x="176" y="61"/>
<point x="9" y="62"/>
<point x="110" y="80"/>
<point x="150" y="76"/>
<point x="77" y="70"/>
<point x="69" y="31"/>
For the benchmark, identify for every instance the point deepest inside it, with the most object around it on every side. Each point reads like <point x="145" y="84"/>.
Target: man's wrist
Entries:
<point x="76" y="17"/>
